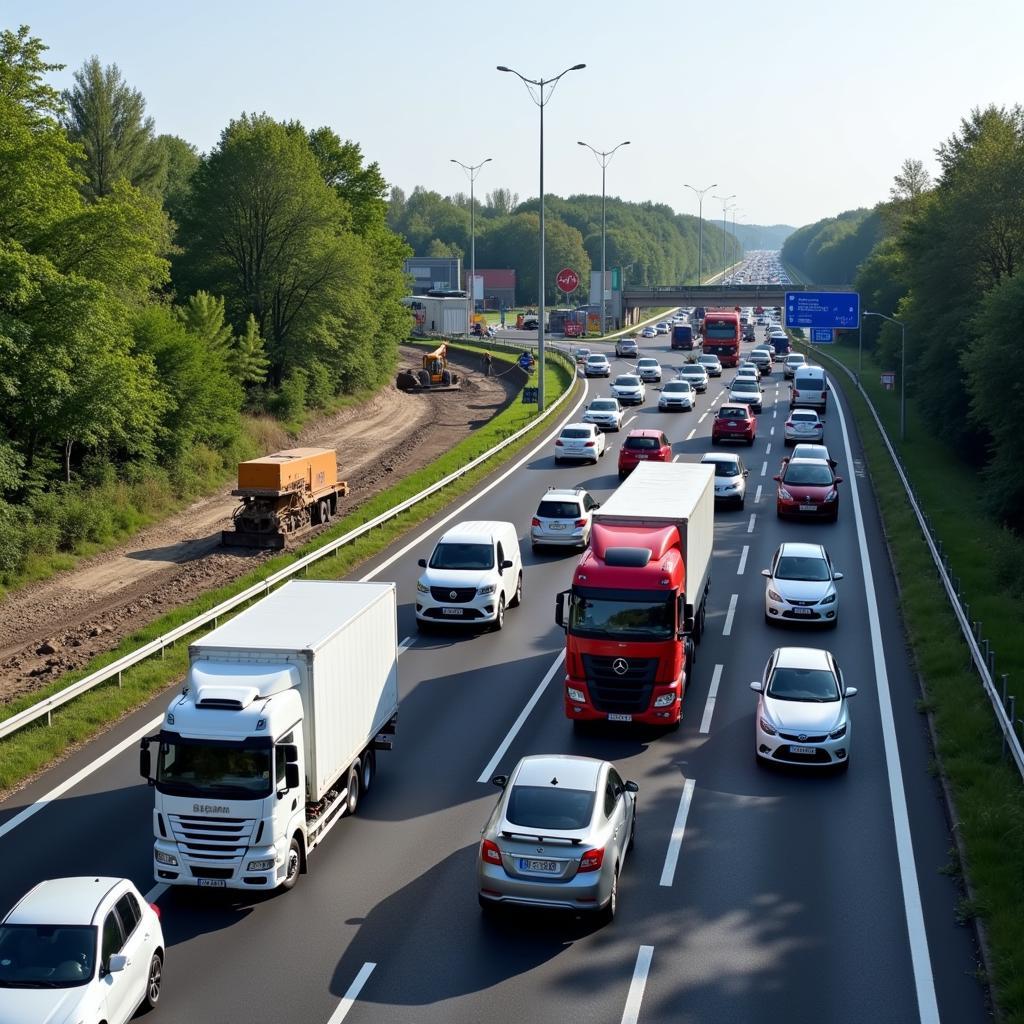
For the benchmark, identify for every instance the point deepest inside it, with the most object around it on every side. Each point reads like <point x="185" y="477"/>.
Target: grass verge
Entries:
<point x="987" y="793"/>
<point x="32" y="748"/>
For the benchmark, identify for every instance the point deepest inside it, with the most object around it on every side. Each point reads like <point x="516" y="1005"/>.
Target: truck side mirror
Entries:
<point x="145" y="760"/>
<point x="560" y="609"/>
<point x="291" y="753"/>
<point x="291" y="775"/>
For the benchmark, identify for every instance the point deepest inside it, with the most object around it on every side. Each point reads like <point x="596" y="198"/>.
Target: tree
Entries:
<point x="248" y="358"/>
<point x="501" y="202"/>
<point x="911" y="181"/>
<point x="362" y="188"/>
<point x="180" y="160"/>
<point x="203" y="315"/>
<point x="108" y="119"/>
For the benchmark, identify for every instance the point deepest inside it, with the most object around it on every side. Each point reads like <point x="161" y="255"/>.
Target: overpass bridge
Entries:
<point x="714" y="296"/>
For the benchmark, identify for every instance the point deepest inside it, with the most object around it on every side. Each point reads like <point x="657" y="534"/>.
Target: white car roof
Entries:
<point x="802" y="657"/>
<point x="571" y="772"/>
<point x="597" y="357"/>
<point x="709" y="457"/>
<point x="799" y="549"/>
<point x="564" y="494"/>
<point x="63" y="901"/>
<point x="648" y="360"/>
<point x="483" y="531"/>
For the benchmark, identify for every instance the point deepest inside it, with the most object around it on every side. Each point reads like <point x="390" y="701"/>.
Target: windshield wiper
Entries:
<point x="30" y="984"/>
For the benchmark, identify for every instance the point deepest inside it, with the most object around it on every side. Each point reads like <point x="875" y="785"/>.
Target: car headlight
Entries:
<point x="774" y="596"/>
<point x="785" y="495"/>
<point x="832" y="495"/>
<point x="486" y="589"/>
<point x="829" y="598"/>
<point x="263" y="864"/>
<point x="422" y="588"/>
<point x="166" y="858"/>
<point x="575" y="695"/>
<point x="665" y="700"/>
<point x="839" y="733"/>
<point x="767" y="727"/>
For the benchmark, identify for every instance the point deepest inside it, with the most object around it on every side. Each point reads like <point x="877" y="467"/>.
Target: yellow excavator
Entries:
<point x="434" y="375"/>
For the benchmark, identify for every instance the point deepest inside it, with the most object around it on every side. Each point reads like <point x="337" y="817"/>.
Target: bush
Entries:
<point x="320" y="387"/>
<point x="290" y="401"/>
<point x="12" y="541"/>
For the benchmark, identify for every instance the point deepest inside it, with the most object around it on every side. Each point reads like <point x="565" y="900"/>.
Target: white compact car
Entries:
<point x="80" y="950"/>
<point x="474" y="573"/>
<point x="696" y="374"/>
<point x="597" y="365"/>
<point x="803" y="425"/>
<point x="629" y="389"/>
<point x="563" y="518"/>
<point x="801" y="586"/>
<point x="605" y="413"/>
<point x="730" y="477"/>
<point x="648" y="369"/>
<point x="676" y="395"/>
<point x="711" y="363"/>
<point x="580" y="441"/>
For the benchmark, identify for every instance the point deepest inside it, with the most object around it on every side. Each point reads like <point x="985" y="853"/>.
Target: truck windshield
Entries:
<point x="210" y="769"/>
<point x="713" y="330"/>
<point x="650" y="619"/>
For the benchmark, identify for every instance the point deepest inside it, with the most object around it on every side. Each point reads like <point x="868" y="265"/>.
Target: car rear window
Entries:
<point x="731" y="412"/>
<point x="558" y="510"/>
<point x="547" y="807"/>
<point x="575" y="432"/>
<point x="641" y="443"/>
<point x="805" y="415"/>
<point x="596" y="359"/>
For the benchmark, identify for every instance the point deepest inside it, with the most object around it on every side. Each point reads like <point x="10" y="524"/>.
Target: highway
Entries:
<point x="752" y="895"/>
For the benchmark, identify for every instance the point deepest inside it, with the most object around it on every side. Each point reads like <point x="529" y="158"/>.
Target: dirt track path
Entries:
<point x="52" y="627"/>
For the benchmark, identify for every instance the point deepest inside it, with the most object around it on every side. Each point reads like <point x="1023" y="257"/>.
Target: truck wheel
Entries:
<point x="446" y="377"/>
<point x="369" y="769"/>
<point x="424" y="378"/>
<point x="293" y="865"/>
<point x="323" y="513"/>
<point x="352" y="785"/>
<point x="499" y="619"/>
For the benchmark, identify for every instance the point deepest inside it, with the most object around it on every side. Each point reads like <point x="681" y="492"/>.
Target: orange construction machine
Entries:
<point x="284" y="495"/>
<point x="435" y="374"/>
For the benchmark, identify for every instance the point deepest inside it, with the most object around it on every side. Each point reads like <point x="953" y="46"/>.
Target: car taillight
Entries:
<point x="558" y="443"/>
<point x="592" y="860"/>
<point x="580" y="522"/>
<point x="789" y="423"/>
<point x="155" y="909"/>
<point x="489" y="852"/>
<point x="823" y="394"/>
<point x="589" y="444"/>
<point x="535" y="521"/>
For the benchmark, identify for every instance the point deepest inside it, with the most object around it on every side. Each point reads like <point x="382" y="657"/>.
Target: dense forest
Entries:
<point x="155" y="301"/>
<point x="758" y="236"/>
<point x="946" y="257"/>
<point x="653" y="245"/>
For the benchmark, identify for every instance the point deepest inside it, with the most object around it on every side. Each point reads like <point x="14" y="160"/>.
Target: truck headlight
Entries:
<point x="576" y="696"/>
<point x="263" y="864"/>
<point x="422" y="588"/>
<point x="166" y="858"/>
<point x="485" y="590"/>
<point x="665" y="700"/>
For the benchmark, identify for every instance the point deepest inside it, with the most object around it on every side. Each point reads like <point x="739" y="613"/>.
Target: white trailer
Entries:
<point x="274" y="736"/>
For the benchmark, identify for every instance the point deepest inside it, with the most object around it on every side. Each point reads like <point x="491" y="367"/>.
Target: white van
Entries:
<point x="809" y="388"/>
<point x="474" y="573"/>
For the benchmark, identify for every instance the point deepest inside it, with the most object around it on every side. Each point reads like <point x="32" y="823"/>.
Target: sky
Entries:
<point x="800" y="108"/>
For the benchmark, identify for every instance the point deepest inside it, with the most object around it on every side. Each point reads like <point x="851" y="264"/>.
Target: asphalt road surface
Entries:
<point x="752" y="894"/>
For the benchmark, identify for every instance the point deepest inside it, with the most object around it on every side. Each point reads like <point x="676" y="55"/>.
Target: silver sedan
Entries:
<point x="558" y="836"/>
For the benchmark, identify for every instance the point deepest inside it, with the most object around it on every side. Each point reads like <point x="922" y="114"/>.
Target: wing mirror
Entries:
<point x="838" y="480"/>
<point x="851" y="691"/>
<point x="117" y="963"/>
<point x="777" y="479"/>
<point x="145" y="760"/>
<point x="421" y="562"/>
<point x="291" y="776"/>
<point x="757" y="686"/>
<point x="632" y="787"/>
<point x="837" y="575"/>
<point x="507" y="564"/>
<point x="501" y="781"/>
<point x="766" y="573"/>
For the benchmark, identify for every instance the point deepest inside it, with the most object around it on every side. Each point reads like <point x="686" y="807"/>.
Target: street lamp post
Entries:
<point x="725" y="201"/>
<point x="699" y="193"/>
<point x="540" y="99"/>
<point x="472" y="170"/>
<point x="604" y="158"/>
<point x="903" y="368"/>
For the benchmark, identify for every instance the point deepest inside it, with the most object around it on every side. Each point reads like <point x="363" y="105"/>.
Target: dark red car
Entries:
<point x="808" y="488"/>
<point x="643" y="446"/>
<point x="734" y="423"/>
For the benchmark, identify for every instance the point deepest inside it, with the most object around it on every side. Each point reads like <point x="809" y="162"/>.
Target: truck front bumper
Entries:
<point x="665" y="708"/>
<point x="261" y="867"/>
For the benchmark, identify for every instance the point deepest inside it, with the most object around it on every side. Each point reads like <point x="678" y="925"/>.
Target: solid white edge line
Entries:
<point x="750" y="525"/>
<point x="709" y="706"/>
<point x="727" y="628"/>
<point x="668" y="872"/>
<point x="349" y="998"/>
<point x="420" y="538"/>
<point x="58" y="791"/>
<point x="485" y="775"/>
<point x="927" y="1003"/>
<point x="743" y="559"/>
<point x="631" y="1012"/>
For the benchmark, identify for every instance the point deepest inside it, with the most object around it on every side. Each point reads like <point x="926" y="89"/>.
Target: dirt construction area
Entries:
<point x="52" y="627"/>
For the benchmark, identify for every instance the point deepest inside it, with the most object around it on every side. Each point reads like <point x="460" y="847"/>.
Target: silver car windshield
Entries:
<point x="548" y="807"/>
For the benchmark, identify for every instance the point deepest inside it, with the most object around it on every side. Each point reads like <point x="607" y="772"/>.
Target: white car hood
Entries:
<point x="43" y="1005"/>
<point x="800" y="590"/>
<point x="803" y="716"/>
<point x="457" y="577"/>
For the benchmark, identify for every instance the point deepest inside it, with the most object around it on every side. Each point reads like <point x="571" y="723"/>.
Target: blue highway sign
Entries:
<point x="831" y="310"/>
<point x="821" y="336"/>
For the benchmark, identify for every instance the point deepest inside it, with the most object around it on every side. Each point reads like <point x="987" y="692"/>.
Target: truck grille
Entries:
<point x="462" y="594"/>
<point x="624" y="692"/>
<point x="212" y="838"/>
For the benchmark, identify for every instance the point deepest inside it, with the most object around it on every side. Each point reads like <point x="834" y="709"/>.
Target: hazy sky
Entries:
<point x="802" y="108"/>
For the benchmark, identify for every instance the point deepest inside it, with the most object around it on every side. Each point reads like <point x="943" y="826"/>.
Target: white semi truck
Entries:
<point x="274" y="737"/>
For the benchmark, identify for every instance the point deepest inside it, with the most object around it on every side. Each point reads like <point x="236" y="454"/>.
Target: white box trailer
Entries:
<point x="297" y="692"/>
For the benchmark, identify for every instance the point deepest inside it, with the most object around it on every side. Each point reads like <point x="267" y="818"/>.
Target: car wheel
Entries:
<point x="558" y="461"/>
<point x="768" y="620"/>
<point x="154" y="981"/>
<point x="517" y="597"/>
<point x="742" y="502"/>
<point x="489" y="907"/>
<point x="293" y="865"/>
<point x="714" y="440"/>
<point x="632" y="832"/>
<point x="499" y="619"/>
<point x="607" y="913"/>
<point x="750" y="442"/>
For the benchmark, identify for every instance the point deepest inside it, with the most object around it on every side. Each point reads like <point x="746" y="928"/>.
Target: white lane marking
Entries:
<point x="709" y="707"/>
<point x="764" y="468"/>
<point x="729" y="615"/>
<point x="74" y="780"/>
<point x="349" y="998"/>
<point x="771" y="433"/>
<point x="689" y="436"/>
<point x="768" y="450"/>
<point x="703" y="417"/>
<point x="405" y="645"/>
<point x="757" y="494"/>
<point x="750" y="525"/>
<point x="927" y="1003"/>
<point x="156" y="892"/>
<point x="532" y="453"/>
<point x="631" y="1013"/>
<point x="485" y="775"/>
<point x="676" y="840"/>
<point x="775" y="412"/>
<point x="630" y="420"/>
<point x="743" y="559"/>
<point x="675" y="458"/>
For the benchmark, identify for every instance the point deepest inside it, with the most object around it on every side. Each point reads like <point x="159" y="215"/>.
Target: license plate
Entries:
<point x="528" y="864"/>
<point x="641" y="456"/>
<point x="452" y="611"/>
<point x="802" y="750"/>
<point x="556" y="526"/>
<point x="808" y="508"/>
<point x="212" y="883"/>
<point x="801" y="611"/>
<point x="620" y="718"/>
<point x="732" y="425"/>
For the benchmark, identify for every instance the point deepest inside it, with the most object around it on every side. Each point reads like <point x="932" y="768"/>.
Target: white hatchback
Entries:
<point x="801" y="587"/>
<point x="579" y="441"/>
<point x="82" y="950"/>
<point x="629" y="389"/>
<point x="803" y="425"/>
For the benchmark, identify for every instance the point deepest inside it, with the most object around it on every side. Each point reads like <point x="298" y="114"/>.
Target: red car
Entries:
<point x="643" y="446"/>
<point x="734" y="423"/>
<point x="808" y="488"/>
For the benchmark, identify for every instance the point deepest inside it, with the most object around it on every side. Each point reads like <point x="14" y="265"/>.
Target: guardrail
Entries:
<point x="983" y="660"/>
<point x="48" y="705"/>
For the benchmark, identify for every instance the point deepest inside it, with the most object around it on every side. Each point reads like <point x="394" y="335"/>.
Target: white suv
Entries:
<point x="563" y="518"/>
<point x="473" y="575"/>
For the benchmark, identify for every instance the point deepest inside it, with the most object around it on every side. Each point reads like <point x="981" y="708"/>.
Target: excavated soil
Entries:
<point x="109" y="596"/>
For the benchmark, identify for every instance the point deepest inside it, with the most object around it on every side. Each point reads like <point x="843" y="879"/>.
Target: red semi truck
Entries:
<point x="722" y="336"/>
<point x="638" y="598"/>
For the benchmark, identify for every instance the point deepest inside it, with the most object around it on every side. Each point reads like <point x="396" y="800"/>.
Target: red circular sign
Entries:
<point x="568" y="280"/>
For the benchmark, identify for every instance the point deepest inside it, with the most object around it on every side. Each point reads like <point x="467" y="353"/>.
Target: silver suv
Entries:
<point x="563" y="518"/>
<point x="627" y="347"/>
